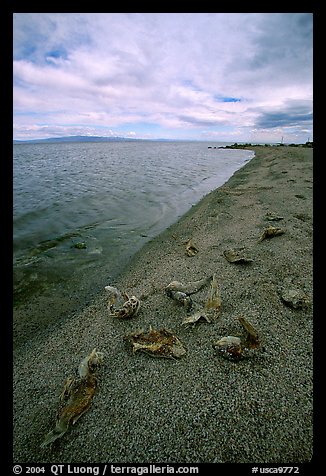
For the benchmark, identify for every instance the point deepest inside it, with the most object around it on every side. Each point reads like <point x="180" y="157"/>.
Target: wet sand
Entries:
<point x="202" y="407"/>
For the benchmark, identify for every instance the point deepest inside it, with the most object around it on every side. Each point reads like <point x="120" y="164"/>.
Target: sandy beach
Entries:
<point x="202" y="407"/>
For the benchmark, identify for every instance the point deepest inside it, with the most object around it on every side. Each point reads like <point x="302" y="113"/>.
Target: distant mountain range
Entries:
<point x="81" y="139"/>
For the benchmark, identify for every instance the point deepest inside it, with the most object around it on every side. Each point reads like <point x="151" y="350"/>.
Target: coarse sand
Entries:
<point x="201" y="408"/>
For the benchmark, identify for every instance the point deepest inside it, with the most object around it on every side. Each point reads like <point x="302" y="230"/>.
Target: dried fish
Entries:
<point x="235" y="348"/>
<point x="129" y="309"/>
<point x="212" y="308"/>
<point x="121" y="305"/>
<point x="90" y="363"/>
<point x="188" y="288"/>
<point x="271" y="231"/>
<point x="214" y="302"/>
<point x="200" y="315"/>
<point x="115" y="296"/>
<point x="181" y="292"/>
<point x="252" y="339"/>
<point x="229" y="340"/>
<point x="229" y="347"/>
<point x="157" y="343"/>
<point x="236" y="255"/>
<point x="76" y="396"/>
<point x="191" y="249"/>
<point x="180" y="297"/>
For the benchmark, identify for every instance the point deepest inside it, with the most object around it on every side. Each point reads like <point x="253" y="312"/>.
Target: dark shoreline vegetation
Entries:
<point x="202" y="407"/>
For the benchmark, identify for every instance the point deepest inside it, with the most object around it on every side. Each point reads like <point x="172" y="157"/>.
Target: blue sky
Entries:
<point x="199" y="76"/>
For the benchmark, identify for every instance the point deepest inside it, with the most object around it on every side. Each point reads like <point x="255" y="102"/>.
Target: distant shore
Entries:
<point x="201" y="408"/>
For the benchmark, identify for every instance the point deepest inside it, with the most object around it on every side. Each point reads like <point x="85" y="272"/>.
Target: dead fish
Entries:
<point x="212" y="308"/>
<point x="115" y="296"/>
<point x="271" y="231"/>
<point x="191" y="249"/>
<point x="188" y="288"/>
<point x="295" y="298"/>
<point x="180" y="297"/>
<point x="271" y="216"/>
<point x="236" y="256"/>
<point x="121" y="305"/>
<point x="214" y="302"/>
<point x="90" y="363"/>
<point x="235" y="348"/>
<point x="76" y="396"/>
<point x="200" y="315"/>
<point x="181" y="292"/>
<point x="156" y="343"/>
<point x="129" y="309"/>
<point x="252" y="339"/>
<point x="229" y="347"/>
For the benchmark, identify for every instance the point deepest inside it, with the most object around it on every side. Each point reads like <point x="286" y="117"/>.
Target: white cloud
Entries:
<point x="172" y="70"/>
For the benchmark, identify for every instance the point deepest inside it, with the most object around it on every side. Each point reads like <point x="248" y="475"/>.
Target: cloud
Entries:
<point x="182" y="72"/>
<point x="291" y="114"/>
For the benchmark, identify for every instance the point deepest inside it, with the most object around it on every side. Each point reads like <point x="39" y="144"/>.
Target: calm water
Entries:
<point x="112" y="197"/>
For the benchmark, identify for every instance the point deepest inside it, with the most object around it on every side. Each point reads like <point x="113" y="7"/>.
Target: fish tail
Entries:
<point x="59" y="430"/>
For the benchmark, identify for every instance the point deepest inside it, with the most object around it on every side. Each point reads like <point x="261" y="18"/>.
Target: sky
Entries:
<point x="234" y="77"/>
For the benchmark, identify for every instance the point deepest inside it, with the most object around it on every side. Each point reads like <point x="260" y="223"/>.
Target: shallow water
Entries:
<point x="107" y="199"/>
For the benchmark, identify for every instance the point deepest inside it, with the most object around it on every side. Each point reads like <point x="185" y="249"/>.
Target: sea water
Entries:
<point x="82" y="210"/>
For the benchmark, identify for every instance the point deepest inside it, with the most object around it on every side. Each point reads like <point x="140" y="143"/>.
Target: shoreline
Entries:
<point x="201" y="408"/>
<point x="62" y="281"/>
